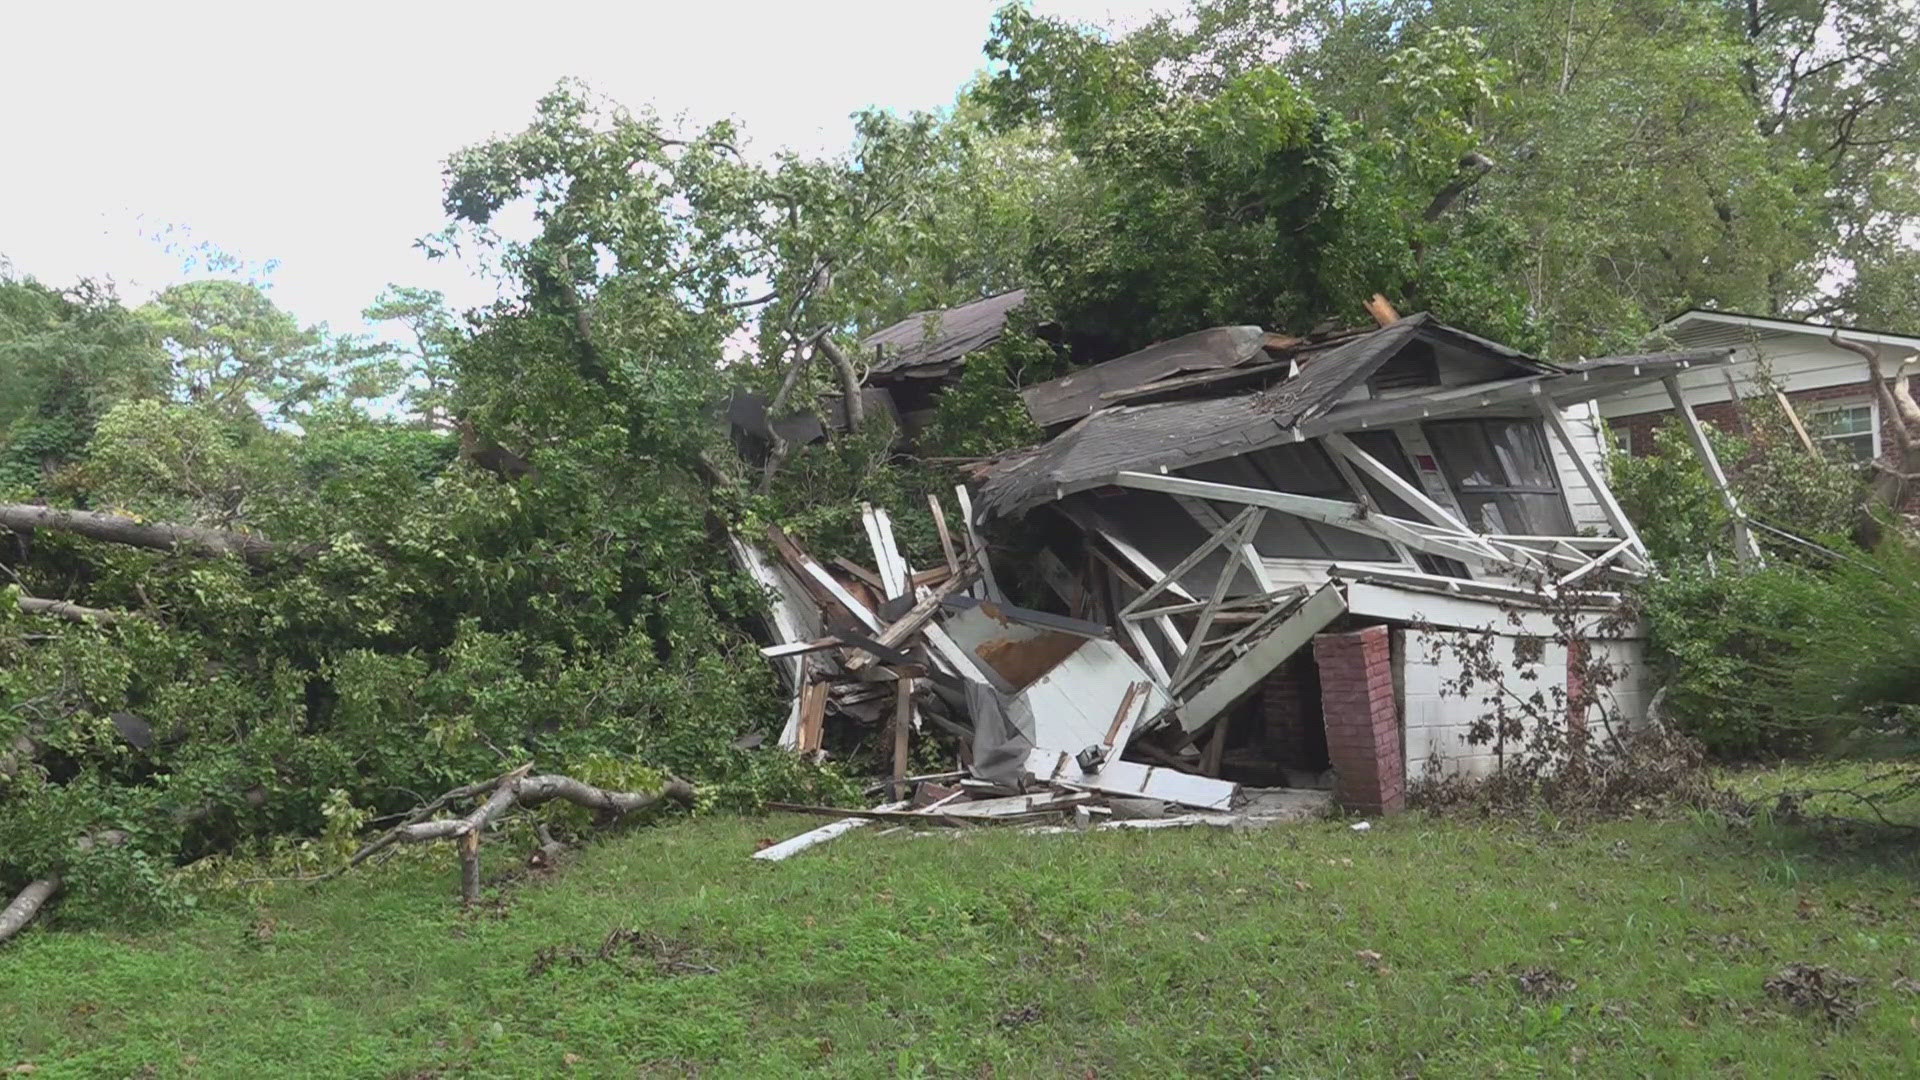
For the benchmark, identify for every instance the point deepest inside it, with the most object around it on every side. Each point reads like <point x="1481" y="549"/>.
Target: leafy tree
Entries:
<point x="65" y="358"/>
<point x="234" y="350"/>
<point x="427" y="381"/>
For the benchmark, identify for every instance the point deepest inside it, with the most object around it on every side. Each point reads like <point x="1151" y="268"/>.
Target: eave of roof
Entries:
<point x="1771" y="324"/>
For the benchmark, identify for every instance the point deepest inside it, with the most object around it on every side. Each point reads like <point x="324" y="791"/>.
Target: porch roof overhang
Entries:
<point x="1178" y="434"/>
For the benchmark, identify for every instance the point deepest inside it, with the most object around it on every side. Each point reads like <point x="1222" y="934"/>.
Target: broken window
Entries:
<point x="1503" y="476"/>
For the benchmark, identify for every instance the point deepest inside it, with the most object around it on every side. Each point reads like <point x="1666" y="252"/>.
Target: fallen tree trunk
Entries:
<point x="118" y="529"/>
<point x="28" y="901"/>
<point x="503" y="793"/>
<point x="61" y="609"/>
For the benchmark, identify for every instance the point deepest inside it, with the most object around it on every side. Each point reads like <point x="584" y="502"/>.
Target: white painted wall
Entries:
<point x="1435" y="720"/>
<point x="1583" y="422"/>
<point x="1796" y="362"/>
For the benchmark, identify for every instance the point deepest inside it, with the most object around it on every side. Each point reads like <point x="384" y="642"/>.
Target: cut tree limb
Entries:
<point x="119" y="529"/>
<point x="61" y="609"/>
<point x="28" y="902"/>
<point x="1896" y="403"/>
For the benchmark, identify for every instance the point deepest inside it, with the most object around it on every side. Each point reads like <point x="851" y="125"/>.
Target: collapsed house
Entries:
<point x="1264" y="551"/>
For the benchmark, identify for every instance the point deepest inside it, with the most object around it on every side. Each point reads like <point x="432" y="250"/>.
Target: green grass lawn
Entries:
<point x="1306" y="950"/>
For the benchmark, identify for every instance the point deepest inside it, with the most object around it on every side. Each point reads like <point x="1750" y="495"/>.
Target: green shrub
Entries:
<point x="1789" y="658"/>
<point x="1721" y="642"/>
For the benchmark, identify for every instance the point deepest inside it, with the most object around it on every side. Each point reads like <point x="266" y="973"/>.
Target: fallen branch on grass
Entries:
<point x="28" y="902"/>
<point x="502" y="793"/>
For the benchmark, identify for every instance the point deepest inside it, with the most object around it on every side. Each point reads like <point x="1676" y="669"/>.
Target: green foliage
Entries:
<point x="235" y="351"/>
<point x="1727" y="644"/>
<point x="982" y="413"/>
<point x="65" y="358"/>
<point x="1681" y="517"/>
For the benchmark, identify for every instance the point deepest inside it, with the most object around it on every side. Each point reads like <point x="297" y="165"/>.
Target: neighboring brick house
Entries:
<point x="1829" y="387"/>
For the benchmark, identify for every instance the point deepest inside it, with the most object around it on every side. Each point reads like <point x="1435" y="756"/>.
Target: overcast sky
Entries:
<point x="312" y="134"/>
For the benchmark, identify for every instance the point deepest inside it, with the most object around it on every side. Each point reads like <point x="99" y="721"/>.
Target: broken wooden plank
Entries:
<point x="813" y="716"/>
<point x="794" y="845"/>
<point x="935" y="817"/>
<point x="903" y="629"/>
<point x="1132" y="778"/>
<point x="1744" y="546"/>
<point x="865" y="575"/>
<point x="976" y="546"/>
<point x="902" y="723"/>
<point x="799" y="648"/>
<point x="940" y="526"/>
<point x="814" y="577"/>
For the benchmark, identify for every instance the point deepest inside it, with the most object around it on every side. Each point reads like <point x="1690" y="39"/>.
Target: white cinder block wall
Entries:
<point x="1435" y="718"/>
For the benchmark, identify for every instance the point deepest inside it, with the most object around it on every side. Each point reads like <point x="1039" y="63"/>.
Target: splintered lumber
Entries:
<point x="939" y="817"/>
<point x="799" y="648"/>
<point x="975" y="546"/>
<point x="902" y="723"/>
<point x="946" y="538"/>
<point x="813" y="714"/>
<point x="1381" y="310"/>
<point x="816" y="580"/>
<point x="794" y="845"/>
<point x="903" y="629"/>
<point x="155" y="536"/>
<point x="860" y="572"/>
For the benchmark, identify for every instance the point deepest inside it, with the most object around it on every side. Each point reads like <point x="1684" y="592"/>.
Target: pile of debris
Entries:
<point x="1044" y="706"/>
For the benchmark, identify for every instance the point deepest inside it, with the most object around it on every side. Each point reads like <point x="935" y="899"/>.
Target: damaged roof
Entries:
<point x="928" y="343"/>
<point x="1176" y="434"/>
<point x="1169" y="434"/>
<point x="1091" y="389"/>
<point x="1328" y="368"/>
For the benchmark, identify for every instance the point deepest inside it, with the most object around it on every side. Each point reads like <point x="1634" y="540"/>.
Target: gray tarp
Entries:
<point x="1002" y="734"/>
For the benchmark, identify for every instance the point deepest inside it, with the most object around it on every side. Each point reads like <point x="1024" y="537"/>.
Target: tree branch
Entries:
<point x="117" y="529"/>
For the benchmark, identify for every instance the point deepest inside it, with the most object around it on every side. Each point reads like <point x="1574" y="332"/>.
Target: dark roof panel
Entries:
<point x="1091" y="389"/>
<point x="1170" y="434"/>
<point x="935" y="338"/>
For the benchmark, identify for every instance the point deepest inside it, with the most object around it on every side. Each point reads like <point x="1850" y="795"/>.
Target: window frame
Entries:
<point x="1809" y="419"/>
<point x="1555" y="487"/>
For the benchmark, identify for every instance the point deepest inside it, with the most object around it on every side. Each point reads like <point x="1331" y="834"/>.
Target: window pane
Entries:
<point x="1852" y="420"/>
<point x="1299" y="468"/>
<point x="1494" y="454"/>
<point x="1522" y="449"/>
<point x="1517" y="513"/>
<point x="1464" y="455"/>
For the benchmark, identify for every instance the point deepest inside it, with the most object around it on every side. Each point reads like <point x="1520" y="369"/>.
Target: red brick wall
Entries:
<point x="1289" y="707"/>
<point x="1640" y="426"/>
<point x="1363" y="726"/>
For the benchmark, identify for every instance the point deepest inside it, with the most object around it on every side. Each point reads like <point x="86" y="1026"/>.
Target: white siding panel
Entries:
<point x="1796" y="367"/>
<point x="1581" y="501"/>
